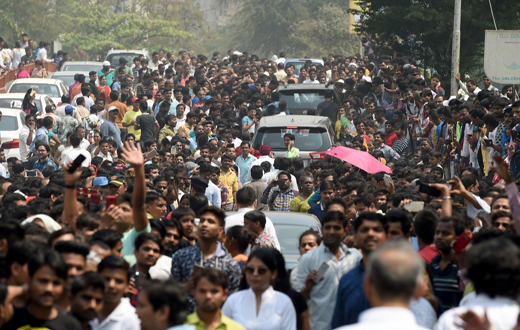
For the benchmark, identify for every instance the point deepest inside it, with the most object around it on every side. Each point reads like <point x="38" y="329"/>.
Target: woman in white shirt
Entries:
<point x="260" y="306"/>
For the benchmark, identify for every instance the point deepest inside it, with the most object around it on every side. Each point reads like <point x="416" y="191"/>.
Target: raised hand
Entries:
<point x="502" y="169"/>
<point x="131" y="155"/>
<point x="71" y="178"/>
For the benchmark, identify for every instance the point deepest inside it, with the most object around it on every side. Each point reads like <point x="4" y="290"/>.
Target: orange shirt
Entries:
<point x="122" y="111"/>
<point x="75" y="91"/>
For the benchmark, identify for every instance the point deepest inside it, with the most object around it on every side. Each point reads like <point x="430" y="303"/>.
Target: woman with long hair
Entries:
<point x="261" y="306"/>
<point x="104" y="90"/>
<point x="17" y="54"/>
<point x="28" y="104"/>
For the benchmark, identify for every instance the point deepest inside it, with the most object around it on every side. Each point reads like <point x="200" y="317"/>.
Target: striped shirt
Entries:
<point x="401" y="146"/>
<point x="445" y="282"/>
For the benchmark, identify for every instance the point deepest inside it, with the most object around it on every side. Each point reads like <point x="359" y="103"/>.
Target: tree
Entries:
<point x="328" y="32"/>
<point x="270" y="26"/>
<point x="423" y="28"/>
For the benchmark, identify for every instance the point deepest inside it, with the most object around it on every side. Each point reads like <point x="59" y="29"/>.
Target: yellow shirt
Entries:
<point x="298" y="204"/>
<point x="186" y="129"/>
<point x="226" y="323"/>
<point x="231" y="182"/>
<point x="164" y="132"/>
<point x="130" y="117"/>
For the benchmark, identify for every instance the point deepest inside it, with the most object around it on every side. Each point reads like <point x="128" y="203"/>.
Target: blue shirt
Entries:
<point x="42" y="135"/>
<point x="351" y="300"/>
<point x="246" y="121"/>
<point x="41" y="166"/>
<point x="317" y="210"/>
<point x="213" y="195"/>
<point x="244" y="165"/>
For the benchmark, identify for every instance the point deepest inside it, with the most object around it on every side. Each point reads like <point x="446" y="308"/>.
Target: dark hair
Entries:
<point x="73" y="247"/>
<point x="221" y="215"/>
<point x="87" y="280"/>
<point x="310" y="232"/>
<point x="337" y="201"/>
<point x="167" y="293"/>
<point x="264" y="255"/>
<point x="403" y="217"/>
<point x="334" y="216"/>
<point x="369" y="216"/>
<point x="246" y="196"/>
<point x="493" y="266"/>
<point x="114" y="262"/>
<point x="458" y="225"/>
<point x="108" y="236"/>
<point x="256" y="216"/>
<point x="145" y="237"/>
<point x="214" y="276"/>
<point x="48" y="257"/>
<point x="256" y="173"/>
<point x="20" y="252"/>
<point x="241" y="235"/>
<point x="425" y="224"/>
<point x="182" y="211"/>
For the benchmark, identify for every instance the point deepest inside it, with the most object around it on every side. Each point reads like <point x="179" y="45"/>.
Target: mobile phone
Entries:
<point x="488" y="142"/>
<point x="76" y="163"/>
<point x="515" y="135"/>
<point x="387" y="179"/>
<point x="31" y="173"/>
<point x="321" y="271"/>
<point x="151" y="154"/>
<point x="462" y="241"/>
<point x="426" y="189"/>
<point x="414" y="206"/>
<point x="111" y="200"/>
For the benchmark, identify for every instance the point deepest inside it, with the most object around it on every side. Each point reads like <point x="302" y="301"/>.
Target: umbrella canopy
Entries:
<point x="361" y="159"/>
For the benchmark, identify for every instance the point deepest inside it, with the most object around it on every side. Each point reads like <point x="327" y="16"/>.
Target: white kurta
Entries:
<point x="276" y="310"/>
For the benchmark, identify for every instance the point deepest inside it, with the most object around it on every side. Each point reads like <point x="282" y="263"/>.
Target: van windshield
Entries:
<point x="302" y="99"/>
<point x="307" y="138"/>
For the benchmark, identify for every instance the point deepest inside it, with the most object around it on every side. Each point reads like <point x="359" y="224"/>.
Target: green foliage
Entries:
<point x="270" y="26"/>
<point x="91" y="27"/>
<point x="431" y="24"/>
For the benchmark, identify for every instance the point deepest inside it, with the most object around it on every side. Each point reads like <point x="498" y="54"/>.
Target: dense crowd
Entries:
<point x="139" y="202"/>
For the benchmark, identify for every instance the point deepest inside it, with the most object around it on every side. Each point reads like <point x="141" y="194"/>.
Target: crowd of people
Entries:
<point x="140" y="202"/>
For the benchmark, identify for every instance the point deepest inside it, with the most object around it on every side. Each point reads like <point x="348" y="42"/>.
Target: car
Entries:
<point x="68" y="77"/>
<point x="76" y="66"/>
<point x="114" y="55"/>
<point x="54" y="88"/>
<point x="300" y="62"/>
<point x="10" y="126"/>
<point x="301" y="98"/>
<point x="14" y="101"/>
<point x="313" y="133"/>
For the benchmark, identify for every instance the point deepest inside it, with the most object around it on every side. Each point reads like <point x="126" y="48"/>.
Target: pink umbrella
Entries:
<point x="361" y="159"/>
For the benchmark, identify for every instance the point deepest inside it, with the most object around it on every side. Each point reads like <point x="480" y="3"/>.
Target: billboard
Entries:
<point x="502" y="56"/>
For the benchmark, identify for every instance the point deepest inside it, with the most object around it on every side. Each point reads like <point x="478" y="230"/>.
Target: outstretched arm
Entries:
<point x="136" y="159"/>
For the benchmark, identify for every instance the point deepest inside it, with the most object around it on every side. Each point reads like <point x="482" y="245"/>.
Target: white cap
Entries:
<point x="236" y="52"/>
<point x="340" y="81"/>
<point x="353" y="64"/>
<point x="113" y="108"/>
<point x="367" y="79"/>
<point x="106" y="63"/>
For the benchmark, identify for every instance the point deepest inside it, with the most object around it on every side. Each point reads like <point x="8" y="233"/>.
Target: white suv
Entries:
<point x="114" y="55"/>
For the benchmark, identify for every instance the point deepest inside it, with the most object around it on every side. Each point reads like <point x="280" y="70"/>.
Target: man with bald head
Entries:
<point x="393" y="274"/>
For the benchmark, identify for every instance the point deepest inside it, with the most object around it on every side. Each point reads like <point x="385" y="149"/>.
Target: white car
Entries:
<point x="14" y="101"/>
<point x="68" y="77"/>
<point x="114" y="55"/>
<point x="76" y="66"/>
<point x="54" y="88"/>
<point x="10" y="126"/>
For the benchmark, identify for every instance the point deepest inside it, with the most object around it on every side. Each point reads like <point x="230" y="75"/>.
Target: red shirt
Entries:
<point x="390" y="139"/>
<point x="427" y="253"/>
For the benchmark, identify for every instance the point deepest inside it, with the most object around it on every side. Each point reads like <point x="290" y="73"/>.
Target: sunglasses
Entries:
<point x="251" y="270"/>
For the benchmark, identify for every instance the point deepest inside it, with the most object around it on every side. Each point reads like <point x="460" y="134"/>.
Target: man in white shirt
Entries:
<point x="80" y="131"/>
<point x="26" y="136"/>
<point x="3" y="170"/>
<point x="75" y="140"/>
<point x="492" y="267"/>
<point x="246" y="201"/>
<point x="392" y="277"/>
<point x="265" y="156"/>
<point x="321" y="292"/>
<point x="117" y="312"/>
<point x="280" y="164"/>
<point x="42" y="53"/>
<point x="312" y="77"/>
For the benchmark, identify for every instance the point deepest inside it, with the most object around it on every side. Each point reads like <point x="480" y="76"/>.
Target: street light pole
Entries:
<point x="455" y="48"/>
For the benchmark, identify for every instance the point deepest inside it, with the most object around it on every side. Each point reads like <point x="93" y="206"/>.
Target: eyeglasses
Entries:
<point x="260" y="271"/>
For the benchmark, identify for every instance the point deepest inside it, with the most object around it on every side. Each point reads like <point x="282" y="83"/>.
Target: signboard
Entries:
<point x="502" y="56"/>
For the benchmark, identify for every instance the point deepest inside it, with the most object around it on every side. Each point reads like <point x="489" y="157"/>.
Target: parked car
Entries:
<point x="68" y="77"/>
<point x="114" y="55"/>
<point x="54" y="88"/>
<point x="14" y="101"/>
<point x="313" y="133"/>
<point x="10" y="126"/>
<point x="301" y="98"/>
<point x="77" y="66"/>
<point x="300" y="62"/>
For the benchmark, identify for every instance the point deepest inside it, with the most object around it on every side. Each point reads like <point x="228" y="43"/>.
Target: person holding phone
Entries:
<point x="443" y="270"/>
